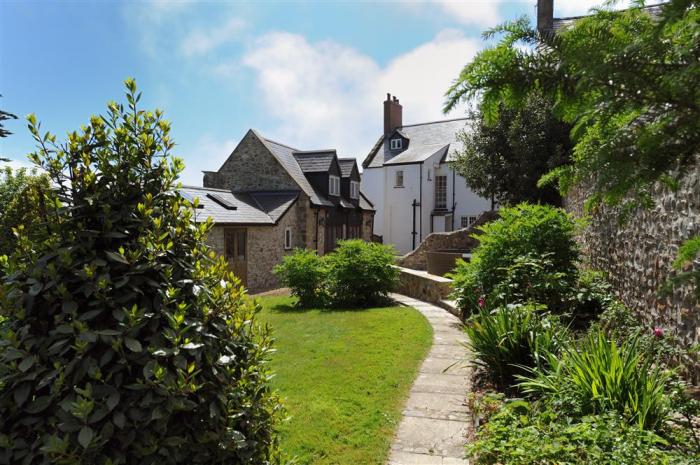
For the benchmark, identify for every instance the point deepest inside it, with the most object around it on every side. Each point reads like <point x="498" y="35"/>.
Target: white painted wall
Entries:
<point x="393" y="220"/>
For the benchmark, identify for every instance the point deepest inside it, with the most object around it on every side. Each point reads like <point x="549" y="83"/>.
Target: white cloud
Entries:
<point x="17" y="164"/>
<point x="325" y="94"/>
<point x="202" y="41"/>
<point x="485" y="13"/>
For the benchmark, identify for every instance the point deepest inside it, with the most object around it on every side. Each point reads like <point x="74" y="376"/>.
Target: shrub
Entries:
<point x="125" y="341"/>
<point x="304" y="272"/>
<point x="531" y="246"/>
<point x="510" y="339"/>
<point x="522" y="434"/>
<point x="22" y="194"/>
<point x="360" y="273"/>
<point x="604" y="377"/>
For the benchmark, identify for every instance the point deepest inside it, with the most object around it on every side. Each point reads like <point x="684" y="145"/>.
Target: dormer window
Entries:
<point x="334" y="185"/>
<point x="396" y="144"/>
<point x="354" y="189"/>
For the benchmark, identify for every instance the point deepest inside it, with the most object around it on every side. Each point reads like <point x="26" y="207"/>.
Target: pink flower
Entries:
<point x="481" y="302"/>
<point x="658" y="332"/>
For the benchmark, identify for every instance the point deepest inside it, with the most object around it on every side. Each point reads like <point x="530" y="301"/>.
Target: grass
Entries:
<point x="343" y="376"/>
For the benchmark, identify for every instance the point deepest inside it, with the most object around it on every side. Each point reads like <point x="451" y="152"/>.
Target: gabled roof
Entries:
<point x="250" y="208"/>
<point x="425" y="140"/>
<point x="346" y="166"/>
<point x="316" y="161"/>
<point x="285" y="155"/>
<point x="365" y="203"/>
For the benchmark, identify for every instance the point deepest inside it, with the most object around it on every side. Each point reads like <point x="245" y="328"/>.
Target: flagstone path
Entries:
<point x="434" y="423"/>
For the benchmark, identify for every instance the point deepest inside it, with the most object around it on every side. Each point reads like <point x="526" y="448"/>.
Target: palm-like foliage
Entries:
<point x="628" y="81"/>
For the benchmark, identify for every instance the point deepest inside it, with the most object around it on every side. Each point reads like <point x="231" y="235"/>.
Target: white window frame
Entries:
<point x="334" y="185"/>
<point x="438" y="189"/>
<point x="396" y="144"/>
<point x="398" y="177"/>
<point x="354" y="190"/>
<point x="467" y="220"/>
<point x="287" y="238"/>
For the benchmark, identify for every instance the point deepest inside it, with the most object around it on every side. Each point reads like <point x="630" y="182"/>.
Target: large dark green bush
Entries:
<point x="360" y="273"/>
<point x="304" y="272"/>
<point x="125" y="341"/>
<point x="530" y="246"/>
<point x="509" y="339"/>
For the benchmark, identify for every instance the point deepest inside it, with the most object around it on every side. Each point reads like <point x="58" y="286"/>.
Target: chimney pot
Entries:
<point x="545" y="16"/>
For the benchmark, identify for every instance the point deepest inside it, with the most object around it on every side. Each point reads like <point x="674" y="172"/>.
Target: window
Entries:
<point x="467" y="221"/>
<point x="399" y="179"/>
<point x="354" y="189"/>
<point x="235" y="244"/>
<point x="440" y="192"/>
<point x="334" y="185"/>
<point x="429" y="175"/>
<point x="396" y="144"/>
<point x="287" y="238"/>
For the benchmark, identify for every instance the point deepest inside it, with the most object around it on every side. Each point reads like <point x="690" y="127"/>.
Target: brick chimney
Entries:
<point x="393" y="114"/>
<point x="545" y="16"/>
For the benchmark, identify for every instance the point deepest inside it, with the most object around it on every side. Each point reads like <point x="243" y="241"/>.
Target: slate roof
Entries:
<point x="565" y="23"/>
<point x="346" y="165"/>
<point x="254" y="208"/>
<point x="365" y="204"/>
<point x="285" y="155"/>
<point x="315" y="161"/>
<point x="424" y="140"/>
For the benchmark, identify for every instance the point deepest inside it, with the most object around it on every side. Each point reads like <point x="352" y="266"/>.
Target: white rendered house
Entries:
<point x="413" y="189"/>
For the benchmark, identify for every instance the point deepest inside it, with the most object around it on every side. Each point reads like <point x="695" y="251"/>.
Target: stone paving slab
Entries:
<point x="433" y="427"/>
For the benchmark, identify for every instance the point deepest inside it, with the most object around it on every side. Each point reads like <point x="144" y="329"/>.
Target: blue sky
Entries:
<point x="310" y="74"/>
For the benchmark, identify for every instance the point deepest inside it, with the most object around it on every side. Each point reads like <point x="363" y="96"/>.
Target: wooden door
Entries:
<point x="236" y="242"/>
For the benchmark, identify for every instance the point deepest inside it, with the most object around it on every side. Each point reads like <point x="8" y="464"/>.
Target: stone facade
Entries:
<point x="637" y="254"/>
<point x="265" y="247"/>
<point x="251" y="167"/>
<point x="455" y="240"/>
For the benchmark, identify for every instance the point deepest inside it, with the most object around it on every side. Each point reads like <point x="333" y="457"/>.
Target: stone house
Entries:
<point x="269" y="198"/>
<point x="413" y="188"/>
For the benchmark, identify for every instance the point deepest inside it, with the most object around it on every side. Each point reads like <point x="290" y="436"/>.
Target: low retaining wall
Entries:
<point x="460" y="239"/>
<point x="423" y="286"/>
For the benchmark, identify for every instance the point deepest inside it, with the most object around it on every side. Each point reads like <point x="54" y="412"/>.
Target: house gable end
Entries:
<point x="251" y="167"/>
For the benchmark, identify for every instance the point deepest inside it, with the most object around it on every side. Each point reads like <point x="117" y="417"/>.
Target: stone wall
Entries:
<point x="265" y="246"/>
<point x="423" y="286"/>
<point x="456" y="240"/>
<point x="638" y="253"/>
<point x="250" y="167"/>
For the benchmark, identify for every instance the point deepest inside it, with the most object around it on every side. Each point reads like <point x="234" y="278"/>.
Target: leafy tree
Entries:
<point x="21" y="195"/>
<point x="505" y="160"/>
<point x="628" y="82"/>
<point x="4" y="132"/>
<point x="125" y="341"/>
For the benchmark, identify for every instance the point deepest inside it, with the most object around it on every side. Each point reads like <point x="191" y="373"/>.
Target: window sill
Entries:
<point x="399" y="187"/>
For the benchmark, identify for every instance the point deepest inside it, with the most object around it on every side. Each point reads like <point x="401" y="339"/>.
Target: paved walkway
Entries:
<point x="434" y="423"/>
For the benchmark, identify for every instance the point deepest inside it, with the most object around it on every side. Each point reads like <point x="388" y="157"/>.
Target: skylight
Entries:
<point x="222" y="201"/>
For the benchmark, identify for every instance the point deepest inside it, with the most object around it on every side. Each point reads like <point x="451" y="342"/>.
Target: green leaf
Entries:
<point x="115" y="257"/>
<point x="26" y="364"/>
<point x="85" y="436"/>
<point x="21" y="393"/>
<point x="132" y="344"/>
<point x="38" y="405"/>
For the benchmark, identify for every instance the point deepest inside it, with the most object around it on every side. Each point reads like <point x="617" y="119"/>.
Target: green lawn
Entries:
<point x="343" y="376"/>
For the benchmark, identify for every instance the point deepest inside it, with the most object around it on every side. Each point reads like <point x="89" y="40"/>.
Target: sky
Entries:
<point x="310" y="74"/>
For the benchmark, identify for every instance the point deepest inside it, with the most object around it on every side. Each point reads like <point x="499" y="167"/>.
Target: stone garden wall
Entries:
<point x="460" y="239"/>
<point x="637" y="254"/>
